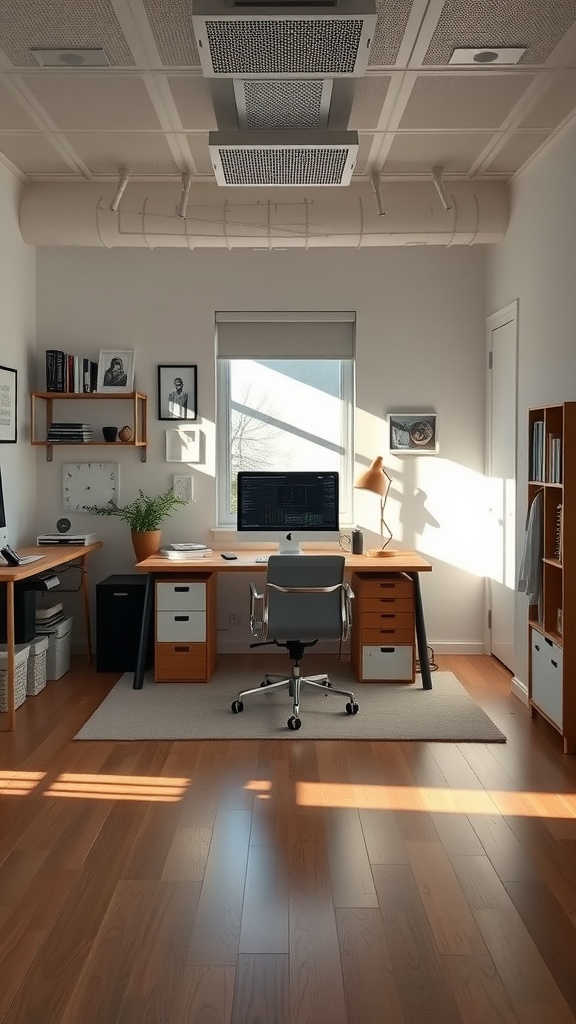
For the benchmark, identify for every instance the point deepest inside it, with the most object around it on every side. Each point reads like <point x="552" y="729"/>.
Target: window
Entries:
<point x="285" y="400"/>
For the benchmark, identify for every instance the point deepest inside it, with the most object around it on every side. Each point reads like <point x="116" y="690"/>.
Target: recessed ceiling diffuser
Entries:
<point x="260" y="41"/>
<point x="488" y="55"/>
<point x="283" y="158"/>
<point x="66" y="57"/>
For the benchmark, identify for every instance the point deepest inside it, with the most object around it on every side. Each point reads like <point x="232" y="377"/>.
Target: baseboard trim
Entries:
<point x="519" y="689"/>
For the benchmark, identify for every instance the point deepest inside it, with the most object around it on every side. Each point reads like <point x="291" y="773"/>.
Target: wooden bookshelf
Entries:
<point x="41" y="421"/>
<point x="552" y="661"/>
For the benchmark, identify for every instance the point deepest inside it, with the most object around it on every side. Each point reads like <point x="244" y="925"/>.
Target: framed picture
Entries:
<point x="182" y="445"/>
<point x="182" y="487"/>
<point x="413" y="433"/>
<point x="8" y="404"/>
<point x="177" y="391"/>
<point x="115" y="370"/>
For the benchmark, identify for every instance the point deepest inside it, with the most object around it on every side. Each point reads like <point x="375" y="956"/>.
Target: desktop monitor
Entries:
<point x="3" y="530"/>
<point x="288" y="507"/>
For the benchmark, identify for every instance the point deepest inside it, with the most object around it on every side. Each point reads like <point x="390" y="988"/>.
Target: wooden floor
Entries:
<point x="286" y="882"/>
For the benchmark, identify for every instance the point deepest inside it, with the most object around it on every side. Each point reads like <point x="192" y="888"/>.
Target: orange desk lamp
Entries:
<point x="376" y="480"/>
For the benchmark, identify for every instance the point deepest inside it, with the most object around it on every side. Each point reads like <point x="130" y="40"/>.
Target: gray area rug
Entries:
<point x="200" y="711"/>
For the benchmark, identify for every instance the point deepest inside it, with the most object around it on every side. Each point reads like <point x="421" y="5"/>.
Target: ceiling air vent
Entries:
<point x="283" y="103"/>
<point x="283" y="158"/>
<point x="259" y="41"/>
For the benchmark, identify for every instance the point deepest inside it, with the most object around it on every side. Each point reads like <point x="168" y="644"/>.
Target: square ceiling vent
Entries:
<point x="283" y="158"/>
<point x="263" y="41"/>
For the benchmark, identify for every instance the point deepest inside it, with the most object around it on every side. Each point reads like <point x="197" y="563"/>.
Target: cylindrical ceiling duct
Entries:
<point x="78" y="214"/>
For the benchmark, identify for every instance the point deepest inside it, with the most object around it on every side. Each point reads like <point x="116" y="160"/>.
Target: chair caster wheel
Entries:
<point x="294" y="723"/>
<point x="237" y="706"/>
<point x="351" y="709"/>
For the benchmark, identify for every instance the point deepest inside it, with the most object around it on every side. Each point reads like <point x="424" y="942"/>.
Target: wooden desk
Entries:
<point x="52" y="558"/>
<point x="404" y="562"/>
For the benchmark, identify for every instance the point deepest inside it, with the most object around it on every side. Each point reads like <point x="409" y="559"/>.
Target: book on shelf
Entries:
<point x="55" y="367"/>
<point x="70" y="374"/>
<point x="558" y="533"/>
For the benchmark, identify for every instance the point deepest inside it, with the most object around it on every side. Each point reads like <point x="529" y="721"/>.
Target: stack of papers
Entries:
<point x="184" y="552"/>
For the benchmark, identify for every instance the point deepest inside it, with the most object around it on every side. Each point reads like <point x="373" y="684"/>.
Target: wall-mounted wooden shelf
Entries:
<point x="47" y="398"/>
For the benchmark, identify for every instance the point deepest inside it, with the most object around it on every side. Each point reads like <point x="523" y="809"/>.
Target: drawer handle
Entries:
<point x="387" y="586"/>
<point x="183" y="650"/>
<point x="387" y="615"/>
<point x="537" y="647"/>
<point x="387" y="650"/>
<point x="386" y="630"/>
<point x="181" y="590"/>
<point x="120" y="593"/>
<point x="181" y="618"/>
<point x="387" y="600"/>
<point x="555" y="663"/>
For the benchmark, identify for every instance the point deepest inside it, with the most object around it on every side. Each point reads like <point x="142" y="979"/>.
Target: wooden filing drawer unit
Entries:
<point x="382" y="643"/>
<point x="185" y="648"/>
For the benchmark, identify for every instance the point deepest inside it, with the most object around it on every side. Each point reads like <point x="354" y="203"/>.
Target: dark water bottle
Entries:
<point x="357" y="542"/>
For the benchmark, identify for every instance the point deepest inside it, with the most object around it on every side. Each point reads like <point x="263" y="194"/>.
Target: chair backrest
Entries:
<point x="305" y="616"/>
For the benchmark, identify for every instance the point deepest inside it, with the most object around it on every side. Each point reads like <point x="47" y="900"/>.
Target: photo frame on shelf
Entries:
<point x="177" y="391"/>
<point x="413" y="433"/>
<point x="116" y="371"/>
<point x="183" y="445"/>
<point x="8" y="405"/>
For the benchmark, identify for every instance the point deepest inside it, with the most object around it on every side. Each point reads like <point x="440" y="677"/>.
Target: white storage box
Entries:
<point x="37" y="665"/>
<point x="58" y="653"/>
<point x="21" y="653"/>
<point x="382" y="663"/>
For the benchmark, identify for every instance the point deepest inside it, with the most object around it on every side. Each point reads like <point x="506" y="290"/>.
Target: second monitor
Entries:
<point x="288" y="507"/>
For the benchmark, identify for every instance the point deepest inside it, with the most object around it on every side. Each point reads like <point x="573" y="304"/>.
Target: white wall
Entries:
<point x="420" y="347"/>
<point x="17" y="351"/>
<point x="535" y="264"/>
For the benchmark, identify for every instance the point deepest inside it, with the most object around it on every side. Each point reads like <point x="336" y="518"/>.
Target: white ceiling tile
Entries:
<point x="12" y="113"/>
<point x="516" y="151"/>
<point x="418" y="154"/>
<point x="369" y="96"/>
<point x="556" y="103"/>
<point x="141" y="154"/>
<point x="94" y="102"/>
<point x="193" y="101"/>
<point x="390" y="27"/>
<point x="463" y="101"/>
<point x="171" y="24"/>
<point x="33" y="154"/>
<point x="200" y="153"/>
<point x="40" y="24"/>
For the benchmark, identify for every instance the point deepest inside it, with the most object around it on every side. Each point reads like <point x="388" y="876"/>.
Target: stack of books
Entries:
<point x="47" y="619"/>
<point x="69" y="433"/>
<point x="184" y="552"/>
<point x="70" y="373"/>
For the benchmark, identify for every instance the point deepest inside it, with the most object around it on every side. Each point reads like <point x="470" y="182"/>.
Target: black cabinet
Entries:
<point x="24" y="614"/>
<point x="119" y="610"/>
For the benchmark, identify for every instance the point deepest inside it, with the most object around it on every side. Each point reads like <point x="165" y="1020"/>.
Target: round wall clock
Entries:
<point x="89" y="483"/>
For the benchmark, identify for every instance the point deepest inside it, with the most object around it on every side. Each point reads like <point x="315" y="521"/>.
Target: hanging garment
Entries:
<point x="530" y="573"/>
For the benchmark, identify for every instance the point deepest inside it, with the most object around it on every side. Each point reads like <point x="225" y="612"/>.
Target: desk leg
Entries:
<point x="138" y="682"/>
<point x="10" y="653"/>
<point x="421" y="633"/>
<point x="86" y="600"/>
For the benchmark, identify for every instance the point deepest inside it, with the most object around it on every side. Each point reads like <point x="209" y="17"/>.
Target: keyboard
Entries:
<point x="262" y="558"/>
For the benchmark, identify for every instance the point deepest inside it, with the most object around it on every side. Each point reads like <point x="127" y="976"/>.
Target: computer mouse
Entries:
<point x="228" y="555"/>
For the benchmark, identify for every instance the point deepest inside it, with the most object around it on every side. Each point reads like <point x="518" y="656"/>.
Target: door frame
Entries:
<point x="507" y="314"/>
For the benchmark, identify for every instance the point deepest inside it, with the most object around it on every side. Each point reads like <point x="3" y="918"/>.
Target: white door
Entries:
<point x="502" y="397"/>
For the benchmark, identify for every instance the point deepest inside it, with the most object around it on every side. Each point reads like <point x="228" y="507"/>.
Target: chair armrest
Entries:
<point x="258" y="622"/>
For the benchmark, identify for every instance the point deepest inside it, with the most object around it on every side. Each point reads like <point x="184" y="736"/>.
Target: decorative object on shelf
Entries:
<point x="116" y="370"/>
<point x="376" y="480"/>
<point x="63" y="525"/>
<point x="182" y="445"/>
<point x="8" y="405"/>
<point x="413" y="433"/>
<point x="177" y="391"/>
<point x="125" y="433"/>
<point x="182" y="487"/>
<point x="110" y="433"/>
<point x="144" y="516"/>
<point x="87" y="482"/>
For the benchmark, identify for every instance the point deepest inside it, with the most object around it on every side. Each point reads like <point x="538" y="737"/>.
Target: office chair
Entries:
<point x="305" y="598"/>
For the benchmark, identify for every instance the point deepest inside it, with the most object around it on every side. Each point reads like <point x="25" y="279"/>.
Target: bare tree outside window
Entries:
<point x="254" y="442"/>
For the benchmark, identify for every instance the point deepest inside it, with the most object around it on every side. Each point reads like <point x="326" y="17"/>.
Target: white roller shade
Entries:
<point x="248" y="336"/>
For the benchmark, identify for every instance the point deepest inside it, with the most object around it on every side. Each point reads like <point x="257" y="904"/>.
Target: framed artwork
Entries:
<point x="8" y="405"/>
<point x="115" y="370"/>
<point x="182" y="445"/>
<point x="182" y="487"/>
<point x="413" y="433"/>
<point x="177" y="391"/>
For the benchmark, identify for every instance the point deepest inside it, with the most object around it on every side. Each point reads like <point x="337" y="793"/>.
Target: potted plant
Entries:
<point x="144" y="516"/>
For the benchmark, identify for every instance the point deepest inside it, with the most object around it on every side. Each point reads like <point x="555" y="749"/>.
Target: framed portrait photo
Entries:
<point x="115" y="371"/>
<point x="8" y="404"/>
<point x="177" y="391"/>
<point x="413" y="433"/>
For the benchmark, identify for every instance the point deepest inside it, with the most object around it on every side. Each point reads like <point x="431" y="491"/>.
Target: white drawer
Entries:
<point x="538" y="678"/>
<point x="554" y="682"/>
<point x="387" y="662"/>
<point x="181" y="594"/>
<point x="174" y="626"/>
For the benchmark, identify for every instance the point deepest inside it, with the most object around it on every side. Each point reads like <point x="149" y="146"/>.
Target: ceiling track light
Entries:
<point x="123" y="176"/>
<point x="375" y="182"/>
<point x="437" y="179"/>
<point x="183" y="204"/>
